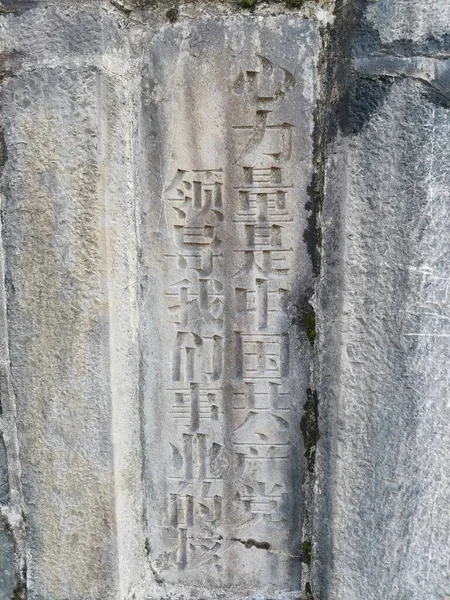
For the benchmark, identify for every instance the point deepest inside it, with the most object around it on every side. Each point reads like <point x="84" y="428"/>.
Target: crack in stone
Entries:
<point x="159" y="580"/>
<point x="251" y="543"/>
<point x="432" y="71"/>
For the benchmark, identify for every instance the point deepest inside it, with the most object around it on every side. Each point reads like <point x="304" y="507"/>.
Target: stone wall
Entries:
<point x="223" y="307"/>
<point x="383" y="310"/>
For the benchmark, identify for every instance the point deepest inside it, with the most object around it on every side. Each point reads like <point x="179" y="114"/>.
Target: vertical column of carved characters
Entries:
<point x="204" y="541"/>
<point x="261" y="437"/>
<point x="261" y="342"/>
<point x="261" y="282"/>
<point x="273" y="350"/>
<point x="182" y="292"/>
<point x="196" y="306"/>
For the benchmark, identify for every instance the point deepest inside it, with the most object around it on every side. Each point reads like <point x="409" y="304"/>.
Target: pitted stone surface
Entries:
<point x="8" y="579"/>
<point x="409" y="20"/>
<point x="389" y="520"/>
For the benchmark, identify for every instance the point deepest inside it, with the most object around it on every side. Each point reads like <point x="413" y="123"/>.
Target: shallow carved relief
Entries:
<point x="261" y="437"/>
<point x="228" y="395"/>
<point x="195" y="308"/>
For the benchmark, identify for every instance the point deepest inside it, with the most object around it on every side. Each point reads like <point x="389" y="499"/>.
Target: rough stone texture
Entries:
<point x="58" y="326"/>
<point x="156" y="287"/>
<point x="8" y="580"/>
<point x="70" y="275"/>
<point x="228" y="110"/>
<point x="383" y="526"/>
<point x="409" y="20"/>
<point x="180" y="188"/>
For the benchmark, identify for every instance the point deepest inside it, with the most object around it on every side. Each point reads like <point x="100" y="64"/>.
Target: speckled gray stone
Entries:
<point x="227" y="130"/>
<point x="68" y="242"/>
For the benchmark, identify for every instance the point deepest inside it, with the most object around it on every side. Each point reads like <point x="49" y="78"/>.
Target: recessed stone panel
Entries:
<point x="226" y="131"/>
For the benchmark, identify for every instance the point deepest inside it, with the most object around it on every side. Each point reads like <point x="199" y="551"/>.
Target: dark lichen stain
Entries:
<point x="312" y="235"/>
<point x="309" y="426"/>
<point x="252" y="4"/>
<point x="17" y="6"/>
<point x="249" y="4"/>
<point x="147" y="547"/>
<point x="304" y="316"/>
<point x="172" y="14"/>
<point x="20" y="591"/>
<point x="362" y="99"/>
<point x="351" y="99"/>
<point x="308" y="591"/>
<point x="311" y="325"/>
<point x="306" y="552"/>
<point x="250" y="543"/>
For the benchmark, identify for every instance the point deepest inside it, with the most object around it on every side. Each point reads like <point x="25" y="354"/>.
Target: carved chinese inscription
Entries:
<point x="230" y="398"/>
<point x="261" y="282"/>
<point x="195" y="307"/>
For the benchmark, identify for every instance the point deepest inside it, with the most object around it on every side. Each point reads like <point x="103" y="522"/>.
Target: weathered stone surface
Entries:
<point x="383" y="318"/>
<point x="409" y="20"/>
<point x="58" y="326"/>
<point x="8" y="580"/>
<point x="156" y="282"/>
<point x="227" y="130"/>
<point x="179" y="185"/>
<point x="70" y="254"/>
